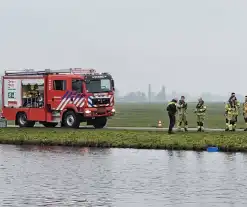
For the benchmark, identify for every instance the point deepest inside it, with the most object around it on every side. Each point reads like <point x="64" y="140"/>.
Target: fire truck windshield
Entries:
<point x="98" y="85"/>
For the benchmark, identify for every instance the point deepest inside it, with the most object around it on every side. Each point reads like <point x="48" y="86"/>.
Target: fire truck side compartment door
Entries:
<point x="56" y="92"/>
<point x="12" y="93"/>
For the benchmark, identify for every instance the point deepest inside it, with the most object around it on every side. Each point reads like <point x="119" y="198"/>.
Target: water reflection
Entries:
<point x="180" y="154"/>
<point x="63" y="149"/>
<point x="199" y="155"/>
<point x="229" y="156"/>
<point x="58" y="176"/>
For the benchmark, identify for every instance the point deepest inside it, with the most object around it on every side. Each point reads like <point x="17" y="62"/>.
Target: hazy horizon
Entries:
<point x="138" y="42"/>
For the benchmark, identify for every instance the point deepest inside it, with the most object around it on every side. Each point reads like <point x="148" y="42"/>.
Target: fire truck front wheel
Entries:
<point x="99" y="123"/>
<point x="22" y="121"/>
<point x="71" y="120"/>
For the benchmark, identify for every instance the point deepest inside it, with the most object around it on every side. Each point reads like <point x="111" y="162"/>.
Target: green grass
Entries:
<point x="147" y="115"/>
<point x="124" y="139"/>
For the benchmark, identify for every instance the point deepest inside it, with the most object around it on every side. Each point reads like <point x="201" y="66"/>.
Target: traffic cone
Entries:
<point x="159" y="124"/>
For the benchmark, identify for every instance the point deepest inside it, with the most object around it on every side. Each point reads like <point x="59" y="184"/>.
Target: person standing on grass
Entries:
<point x="237" y="103"/>
<point x="245" y="112"/>
<point x="182" y="113"/>
<point x="172" y="110"/>
<point x="200" y="113"/>
<point x="231" y="112"/>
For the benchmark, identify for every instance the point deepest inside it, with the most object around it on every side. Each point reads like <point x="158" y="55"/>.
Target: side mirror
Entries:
<point x="113" y="85"/>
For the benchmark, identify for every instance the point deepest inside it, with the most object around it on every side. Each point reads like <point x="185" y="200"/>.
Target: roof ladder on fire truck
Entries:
<point x="25" y="72"/>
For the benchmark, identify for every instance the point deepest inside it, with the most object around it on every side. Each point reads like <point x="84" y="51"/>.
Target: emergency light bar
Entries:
<point x="82" y="71"/>
<point x="26" y="72"/>
<point x="23" y="72"/>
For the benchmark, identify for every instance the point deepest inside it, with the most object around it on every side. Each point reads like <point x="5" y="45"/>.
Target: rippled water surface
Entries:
<point x="58" y="176"/>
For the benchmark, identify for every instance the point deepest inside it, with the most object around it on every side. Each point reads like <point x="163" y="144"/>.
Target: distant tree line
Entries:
<point x="162" y="96"/>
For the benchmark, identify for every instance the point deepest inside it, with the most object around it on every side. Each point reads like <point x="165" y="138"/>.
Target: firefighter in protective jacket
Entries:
<point x="200" y="113"/>
<point x="231" y="112"/>
<point x="172" y="110"/>
<point x="182" y="113"/>
<point x="237" y="103"/>
<point x="245" y="112"/>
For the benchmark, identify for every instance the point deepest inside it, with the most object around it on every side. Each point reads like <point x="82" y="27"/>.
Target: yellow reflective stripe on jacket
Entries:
<point x="231" y="110"/>
<point x="171" y="103"/>
<point x="227" y="106"/>
<point x="203" y="109"/>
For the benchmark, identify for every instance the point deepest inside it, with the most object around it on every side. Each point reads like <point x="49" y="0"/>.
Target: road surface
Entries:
<point x="142" y="128"/>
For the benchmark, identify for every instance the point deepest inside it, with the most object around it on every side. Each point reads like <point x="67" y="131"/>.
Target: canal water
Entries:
<point x="59" y="176"/>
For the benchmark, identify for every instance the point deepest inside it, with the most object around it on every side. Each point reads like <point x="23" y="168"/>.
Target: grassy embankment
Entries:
<point x="124" y="139"/>
<point x="147" y="115"/>
<point x="139" y="115"/>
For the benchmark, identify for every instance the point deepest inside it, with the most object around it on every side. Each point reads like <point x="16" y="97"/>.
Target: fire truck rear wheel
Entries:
<point x="71" y="120"/>
<point x="22" y="120"/>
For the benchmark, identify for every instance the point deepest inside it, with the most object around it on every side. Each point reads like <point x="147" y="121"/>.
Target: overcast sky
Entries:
<point x="186" y="45"/>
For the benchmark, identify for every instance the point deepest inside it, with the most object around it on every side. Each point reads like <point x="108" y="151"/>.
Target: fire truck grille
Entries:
<point x="96" y="101"/>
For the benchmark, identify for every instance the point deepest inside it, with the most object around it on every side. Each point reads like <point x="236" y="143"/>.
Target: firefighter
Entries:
<point x="182" y="113"/>
<point x="172" y="110"/>
<point x="245" y="112"/>
<point x="233" y="95"/>
<point x="200" y="113"/>
<point x="231" y="112"/>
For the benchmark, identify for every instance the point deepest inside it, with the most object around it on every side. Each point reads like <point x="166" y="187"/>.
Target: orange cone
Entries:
<point x="159" y="124"/>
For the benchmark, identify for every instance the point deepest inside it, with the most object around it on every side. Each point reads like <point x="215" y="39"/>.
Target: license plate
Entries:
<point x="100" y="110"/>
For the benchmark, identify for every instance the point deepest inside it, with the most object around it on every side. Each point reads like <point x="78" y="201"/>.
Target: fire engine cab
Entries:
<point x="50" y="97"/>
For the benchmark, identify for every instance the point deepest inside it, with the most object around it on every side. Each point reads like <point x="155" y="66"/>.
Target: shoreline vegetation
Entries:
<point x="225" y="141"/>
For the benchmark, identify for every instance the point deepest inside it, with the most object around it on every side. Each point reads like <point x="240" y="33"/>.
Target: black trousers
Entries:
<point x="172" y="119"/>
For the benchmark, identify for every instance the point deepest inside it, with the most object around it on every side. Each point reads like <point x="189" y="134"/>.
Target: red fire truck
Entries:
<point x="50" y="97"/>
